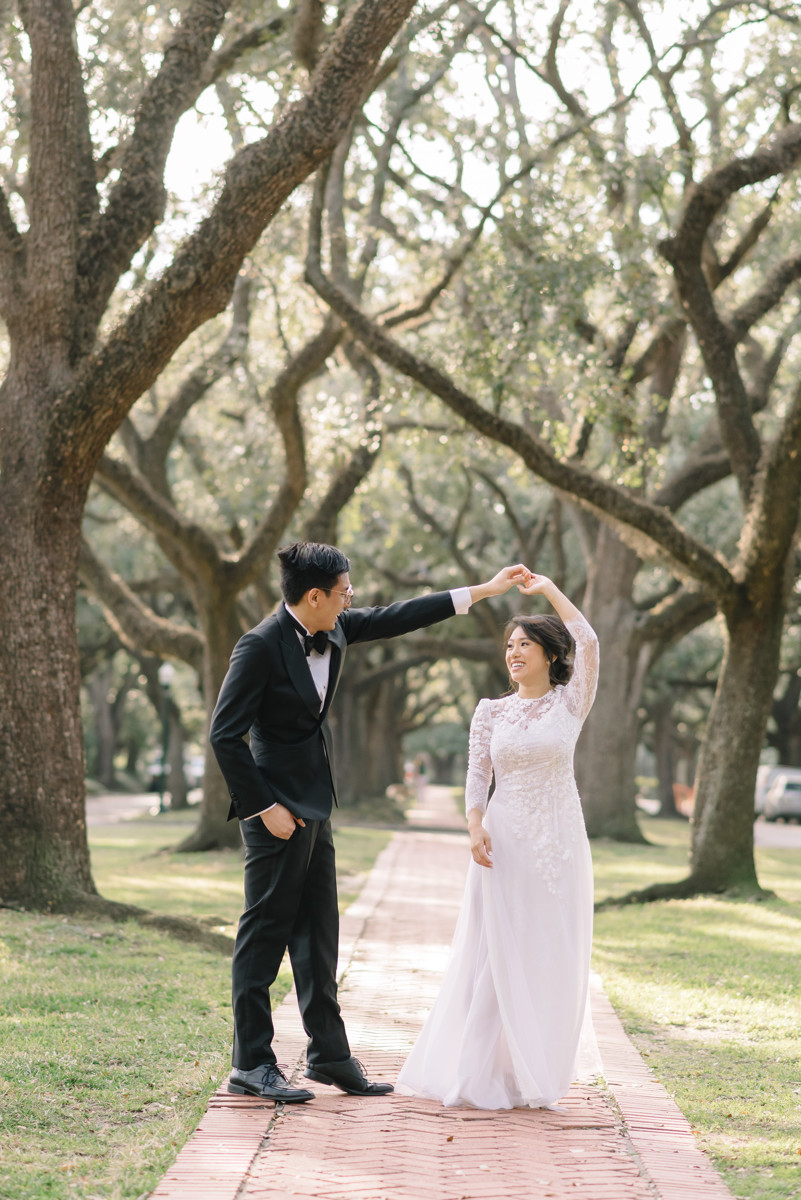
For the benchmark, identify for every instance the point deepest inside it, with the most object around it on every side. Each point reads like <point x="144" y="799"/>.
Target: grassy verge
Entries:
<point x="709" y="991"/>
<point x="112" y="1037"/>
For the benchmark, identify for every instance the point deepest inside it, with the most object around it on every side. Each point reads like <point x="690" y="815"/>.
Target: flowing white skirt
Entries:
<point x="511" y="1026"/>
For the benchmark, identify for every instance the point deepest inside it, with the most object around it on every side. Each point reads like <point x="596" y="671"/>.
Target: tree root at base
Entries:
<point x="685" y="889"/>
<point x="185" y="929"/>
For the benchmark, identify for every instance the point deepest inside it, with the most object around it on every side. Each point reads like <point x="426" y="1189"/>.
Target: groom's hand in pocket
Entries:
<point x="280" y="821"/>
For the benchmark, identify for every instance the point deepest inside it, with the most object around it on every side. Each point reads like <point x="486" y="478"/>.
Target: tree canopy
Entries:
<point x="550" y="309"/>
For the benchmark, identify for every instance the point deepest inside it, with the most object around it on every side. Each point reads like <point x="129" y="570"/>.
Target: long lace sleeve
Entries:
<point x="479" y="763"/>
<point x="580" y="691"/>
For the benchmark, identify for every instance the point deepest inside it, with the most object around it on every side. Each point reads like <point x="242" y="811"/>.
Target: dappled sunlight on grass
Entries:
<point x="710" y="991"/>
<point x="112" y="1035"/>
<point x="134" y="864"/>
<point x="620" y="867"/>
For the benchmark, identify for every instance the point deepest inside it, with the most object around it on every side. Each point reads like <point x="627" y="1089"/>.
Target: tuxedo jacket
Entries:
<point x="269" y="692"/>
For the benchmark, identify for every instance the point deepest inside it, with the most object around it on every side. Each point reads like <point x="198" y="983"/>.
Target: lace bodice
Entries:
<point x="528" y="745"/>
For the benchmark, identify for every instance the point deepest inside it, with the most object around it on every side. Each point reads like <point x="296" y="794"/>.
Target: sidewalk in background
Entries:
<point x="623" y="1140"/>
<point x="111" y="807"/>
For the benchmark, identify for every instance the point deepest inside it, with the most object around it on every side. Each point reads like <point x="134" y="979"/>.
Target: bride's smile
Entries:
<point x="527" y="665"/>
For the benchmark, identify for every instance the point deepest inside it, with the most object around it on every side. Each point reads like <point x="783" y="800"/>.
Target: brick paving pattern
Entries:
<point x="623" y="1141"/>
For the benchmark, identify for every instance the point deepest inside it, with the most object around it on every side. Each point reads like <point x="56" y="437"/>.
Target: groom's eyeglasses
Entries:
<point x="347" y="596"/>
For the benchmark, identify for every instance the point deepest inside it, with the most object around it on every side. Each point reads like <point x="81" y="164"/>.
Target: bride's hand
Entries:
<point x="481" y="846"/>
<point x="537" y="585"/>
<point x="508" y="577"/>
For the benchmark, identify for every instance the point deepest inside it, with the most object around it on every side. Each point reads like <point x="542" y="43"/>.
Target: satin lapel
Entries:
<point x="338" y="644"/>
<point x="296" y="666"/>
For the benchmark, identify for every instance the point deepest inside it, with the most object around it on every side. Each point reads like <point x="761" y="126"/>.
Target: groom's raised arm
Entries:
<point x="369" y="624"/>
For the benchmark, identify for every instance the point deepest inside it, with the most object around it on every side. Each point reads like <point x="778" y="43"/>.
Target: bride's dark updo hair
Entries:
<point x="556" y="641"/>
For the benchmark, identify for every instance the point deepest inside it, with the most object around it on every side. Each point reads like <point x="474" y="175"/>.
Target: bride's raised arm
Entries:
<point x="580" y="690"/>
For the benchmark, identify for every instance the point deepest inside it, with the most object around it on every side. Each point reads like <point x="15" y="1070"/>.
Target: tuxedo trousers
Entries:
<point x="290" y="904"/>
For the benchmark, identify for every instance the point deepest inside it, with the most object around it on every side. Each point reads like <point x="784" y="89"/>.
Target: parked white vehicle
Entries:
<point x="765" y="777"/>
<point x="783" y="797"/>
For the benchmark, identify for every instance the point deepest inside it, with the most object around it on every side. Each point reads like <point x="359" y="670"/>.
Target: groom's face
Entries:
<point x="328" y="605"/>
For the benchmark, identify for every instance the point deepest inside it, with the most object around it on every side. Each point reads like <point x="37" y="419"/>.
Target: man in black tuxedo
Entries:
<point x="279" y="687"/>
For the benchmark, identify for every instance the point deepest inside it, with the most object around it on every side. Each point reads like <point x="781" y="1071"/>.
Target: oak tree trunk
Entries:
<point x="101" y="764"/>
<point x="664" y="732"/>
<point x="45" y="859"/>
<point x="605" y="759"/>
<point x="723" y="825"/>
<point x="221" y="630"/>
<point x="368" y="748"/>
<point x="66" y="391"/>
<point x="176" y="774"/>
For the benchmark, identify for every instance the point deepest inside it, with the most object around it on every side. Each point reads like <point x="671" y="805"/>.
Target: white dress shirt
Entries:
<point x="320" y="664"/>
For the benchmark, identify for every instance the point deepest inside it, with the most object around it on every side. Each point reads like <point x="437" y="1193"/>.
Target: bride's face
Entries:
<point x="526" y="660"/>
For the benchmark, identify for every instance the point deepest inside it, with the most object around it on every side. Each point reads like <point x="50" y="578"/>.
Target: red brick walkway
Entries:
<point x="624" y="1140"/>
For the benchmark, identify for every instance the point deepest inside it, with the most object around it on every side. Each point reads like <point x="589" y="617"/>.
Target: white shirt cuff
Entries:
<point x="253" y="816"/>
<point x="461" y="600"/>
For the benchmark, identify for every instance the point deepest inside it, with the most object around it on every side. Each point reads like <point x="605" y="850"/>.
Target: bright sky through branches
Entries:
<point x="202" y="145"/>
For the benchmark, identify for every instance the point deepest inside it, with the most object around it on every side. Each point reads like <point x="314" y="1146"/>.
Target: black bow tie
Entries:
<point x="315" y="641"/>
<point x="311" y="641"/>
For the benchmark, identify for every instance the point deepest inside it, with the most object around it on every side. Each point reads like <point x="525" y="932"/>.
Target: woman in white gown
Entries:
<point x="511" y="1025"/>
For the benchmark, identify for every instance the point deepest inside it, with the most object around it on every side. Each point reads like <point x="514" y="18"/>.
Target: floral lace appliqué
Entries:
<point x="528" y="746"/>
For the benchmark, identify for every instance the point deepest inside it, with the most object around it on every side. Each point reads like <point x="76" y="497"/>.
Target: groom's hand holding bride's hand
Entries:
<point x="500" y="583"/>
<point x="541" y="585"/>
<point x="535" y="585"/>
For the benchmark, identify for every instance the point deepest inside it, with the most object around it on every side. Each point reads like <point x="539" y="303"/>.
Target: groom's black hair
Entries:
<point x="307" y="565"/>
<point x="555" y="639"/>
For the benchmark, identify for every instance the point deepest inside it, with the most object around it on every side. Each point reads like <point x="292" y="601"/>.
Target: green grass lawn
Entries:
<point x="112" y="1037"/>
<point x="710" y="992"/>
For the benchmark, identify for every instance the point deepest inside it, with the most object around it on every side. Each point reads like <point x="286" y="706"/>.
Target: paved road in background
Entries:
<point x="112" y="807"/>
<point x="777" y="836"/>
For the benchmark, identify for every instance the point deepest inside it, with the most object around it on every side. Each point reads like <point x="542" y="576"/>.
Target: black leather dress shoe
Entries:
<point x="348" y="1075"/>
<point x="267" y="1081"/>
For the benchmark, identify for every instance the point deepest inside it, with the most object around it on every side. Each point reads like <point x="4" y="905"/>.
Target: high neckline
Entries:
<point x="534" y="699"/>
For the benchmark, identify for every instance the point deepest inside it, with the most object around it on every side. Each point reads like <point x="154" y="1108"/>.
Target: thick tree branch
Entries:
<point x="155" y="448"/>
<point x="283" y="400"/>
<point x="708" y="197"/>
<point x="185" y="543"/>
<point x="676" y="616"/>
<point x="766" y="297"/>
<point x="427" y="648"/>
<point x="199" y="282"/>
<point x="652" y="527"/>
<point x="747" y="242"/>
<point x="56" y="177"/>
<point x="321" y="526"/>
<point x="767" y="367"/>
<point x="136" y="625"/>
<point x="684" y="251"/>
<point x="450" y="539"/>
<point x="137" y="199"/>
<point x="251" y="37"/>
<point x="771" y="523"/>
<point x="666" y="336"/>
<point x="697" y="472"/>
